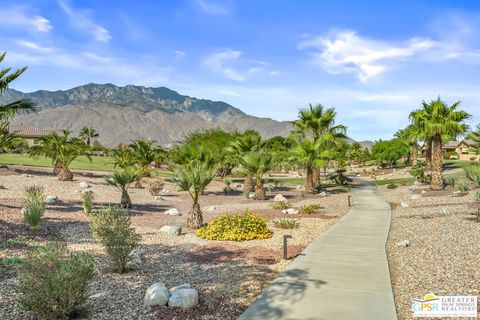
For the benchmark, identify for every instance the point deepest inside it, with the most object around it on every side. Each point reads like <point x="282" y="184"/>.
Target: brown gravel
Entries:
<point x="228" y="275"/>
<point x="444" y="246"/>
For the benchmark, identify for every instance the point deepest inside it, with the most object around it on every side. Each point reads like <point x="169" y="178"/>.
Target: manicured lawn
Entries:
<point x="395" y="181"/>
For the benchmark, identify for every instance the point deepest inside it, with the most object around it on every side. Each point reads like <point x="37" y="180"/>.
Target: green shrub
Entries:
<point x="155" y="187"/>
<point x="111" y="227"/>
<point x="418" y="171"/>
<point x="281" y="205"/>
<point x="392" y="185"/>
<point x="286" y="223"/>
<point x="310" y="208"/>
<point x="477" y="196"/>
<point x="339" y="177"/>
<point x="473" y="173"/>
<point x="12" y="260"/>
<point x="34" y="206"/>
<point x="463" y="188"/>
<point x="239" y="227"/>
<point x="450" y="181"/>
<point x="270" y="186"/>
<point x="87" y="201"/>
<point x="53" y="281"/>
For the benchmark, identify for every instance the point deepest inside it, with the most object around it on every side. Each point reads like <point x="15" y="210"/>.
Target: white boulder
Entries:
<point x="157" y="295"/>
<point x="404" y="243"/>
<point x="137" y="259"/>
<point x="209" y="208"/>
<point x="290" y="211"/>
<point x="84" y="185"/>
<point x="280" y="198"/>
<point x="184" y="298"/>
<point x="415" y="196"/>
<point x="404" y="204"/>
<point x="172" y="212"/>
<point x="171" y="230"/>
<point x="182" y="286"/>
<point x="322" y="194"/>
<point x="52" y="199"/>
<point x="251" y="195"/>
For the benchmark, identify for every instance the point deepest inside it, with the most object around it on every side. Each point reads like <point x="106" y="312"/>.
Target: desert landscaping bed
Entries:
<point x="442" y="255"/>
<point x="228" y="275"/>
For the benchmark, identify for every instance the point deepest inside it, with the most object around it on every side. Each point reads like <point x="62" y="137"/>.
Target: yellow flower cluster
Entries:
<point x="239" y="227"/>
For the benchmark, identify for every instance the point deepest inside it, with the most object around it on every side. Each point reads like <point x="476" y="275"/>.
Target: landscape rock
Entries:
<point x="184" y="298"/>
<point x="251" y="195"/>
<point x="177" y="230"/>
<point x="417" y="183"/>
<point x="447" y="236"/>
<point x="52" y="199"/>
<point x="415" y="196"/>
<point x="322" y="194"/>
<point x="172" y="212"/>
<point x="445" y="212"/>
<point x="209" y="208"/>
<point x="182" y="286"/>
<point x="84" y="185"/>
<point x="157" y="295"/>
<point x="423" y="191"/>
<point x="27" y="175"/>
<point x="290" y="211"/>
<point x="159" y="198"/>
<point x="137" y="259"/>
<point x="411" y="188"/>
<point x="404" y="204"/>
<point x="165" y="191"/>
<point x="404" y="243"/>
<point x="280" y="198"/>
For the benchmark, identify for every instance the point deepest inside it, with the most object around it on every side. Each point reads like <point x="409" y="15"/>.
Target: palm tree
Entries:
<point x="193" y="175"/>
<point x="123" y="158"/>
<point x="247" y="142"/>
<point x="8" y="140"/>
<point x="87" y="134"/>
<point x="475" y="136"/>
<point x="62" y="151"/>
<point x="434" y="120"/>
<point x="256" y="164"/>
<point x="144" y="153"/>
<point x="307" y="155"/>
<point x="121" y="180"/>
<point x="410" y="135"/>
<point x="315" y="122"/>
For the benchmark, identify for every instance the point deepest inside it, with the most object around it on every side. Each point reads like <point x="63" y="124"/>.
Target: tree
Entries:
<point x="475" y="137"/>
<point x="144" y="153"/>
<point x="193" y="174"/>
<point x="121" y="180"/>
<point x="434" y="120"/>
<point x="62" y="151"/>
<point x="256" y="164"/>
<point x="317" y="121"/>
<point x="410" y="135"/>
<point x="249" y="141"/>
<point x="123" y="158"/>
<point x="9" y="140"/>
<point x="87" y="134"/>
<point x="389" y="151"/>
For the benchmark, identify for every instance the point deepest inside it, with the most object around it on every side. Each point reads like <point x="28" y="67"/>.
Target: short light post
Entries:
<point x="285" y="252"/>
<point x="349" y="201"/>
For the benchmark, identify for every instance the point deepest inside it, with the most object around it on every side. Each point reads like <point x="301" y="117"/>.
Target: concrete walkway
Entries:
<point x="343" y="274"/>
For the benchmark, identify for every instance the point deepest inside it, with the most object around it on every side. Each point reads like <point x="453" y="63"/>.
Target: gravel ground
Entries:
<point x="444" y="246"/>
<point x="228" y="275"/>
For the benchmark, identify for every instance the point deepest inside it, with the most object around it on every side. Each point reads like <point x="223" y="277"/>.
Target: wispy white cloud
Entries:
<point x="21" y="17"/>
<point x="213" y="7"/>
<point x="81" y="20"/>
<point x="179" y="54"/>
<point x="347" y="52"/>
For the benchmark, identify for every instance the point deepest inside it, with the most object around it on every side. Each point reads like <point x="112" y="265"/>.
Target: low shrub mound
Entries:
<point x="310" y="208"/>
<point x="286" y="223"/>
<point x="281" y="205"/>
<point x="239" y="227"/>
<point x="53" y="281"/>
<point x="156" y="187"/>
<point x="34" y="206"/>
<point x="392" y="186"/>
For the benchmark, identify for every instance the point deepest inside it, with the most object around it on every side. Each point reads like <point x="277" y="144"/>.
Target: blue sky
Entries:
<point x="374" y="61"/>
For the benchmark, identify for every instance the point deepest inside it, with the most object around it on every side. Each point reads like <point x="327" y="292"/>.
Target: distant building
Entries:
<point x="461" y="150"/>
<point x="31" y="134"/>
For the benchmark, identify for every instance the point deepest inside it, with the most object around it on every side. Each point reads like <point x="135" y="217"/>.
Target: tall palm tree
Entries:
<point x="145" y="153"/>
<point x="62" y="151"/>
<point x="256" y="164"/>
<point x="87" y="134"/>
<point x="121" y="180"/>
<point x="193" y="175"/>
<point x="410" y="135"/>
<point x="435" y="120"/>
<point x="245" y="143"/>
<point x="317" y="121"/>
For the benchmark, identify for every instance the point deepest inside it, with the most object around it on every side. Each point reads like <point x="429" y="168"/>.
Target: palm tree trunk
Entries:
<point x="259" y="189"/>
<point x="316" y="176"/>
<point x="195" y="217"/>
<point x="248" y="183"/>
<point x="65" y="174"/>
<point x="125" y="201"/>
<point x="428" y="156"/>
<point x="138" y="184"/>
<point x="309" y="181"/>
<point x="414" y="154"/>
<point x="56" y="168"/>
<point x="437" y="161"/>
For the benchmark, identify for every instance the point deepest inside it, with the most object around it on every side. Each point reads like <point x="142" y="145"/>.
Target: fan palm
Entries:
<point x="410" y="135"/>
<point x="8" y="140"/>
<point x="247" y="142"/>
<point x="193" y="175"/>
<point x="256" y="164"/>
<point x="87" y="134"/>
<point x="123" y="158"/>
<point x="145" y="152"/>
<point x="434" y="120"/>
<point x="121" y="180"/>
<point x="62" y="151"/>
<point x="475" y="137"/>
<point x="307" y="155"/>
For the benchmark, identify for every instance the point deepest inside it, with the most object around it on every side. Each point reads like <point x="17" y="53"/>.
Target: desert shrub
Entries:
<point x="281" y="205"/>
<point x="450" y="181"/>
<point x="239" y="227"/>
<point x="246" y="193"/>
<point x="418" y="171"/>
<point x="155" y="187"/>
<point x="392" y="185"/>
<point x="111" y="227"/>
<point x="477" y="196"/>
<point x="310" y="208"/>
<point x="463" y="188"/>
<point x="53" y="281"/>
<point x="270" y="186"/>
<point x="339" y="177"/>
<point x="286" y="223"/>
<point x="473" y="173"/>
<point x="34" y="206"/>
<point x="87" y="201"/>
<point x="317" y="188"/>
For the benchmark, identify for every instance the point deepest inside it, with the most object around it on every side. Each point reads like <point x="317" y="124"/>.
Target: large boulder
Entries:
<point x="184" y="298"/>
<point x="182" y="286"/>
<point x="280" y="198"/>
<point x="177" y="230"/>
<point x="157" y="295"/>
<point x="172" y="212"/>
<point x="137" y="259"/>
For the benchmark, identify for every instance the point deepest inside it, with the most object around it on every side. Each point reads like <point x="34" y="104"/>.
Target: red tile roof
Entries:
<point x="30" y="132"/>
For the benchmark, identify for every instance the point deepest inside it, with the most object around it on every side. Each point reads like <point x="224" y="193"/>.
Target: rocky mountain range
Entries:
<point x="121" y="114"/>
